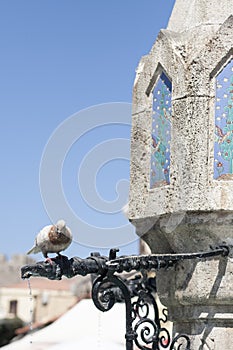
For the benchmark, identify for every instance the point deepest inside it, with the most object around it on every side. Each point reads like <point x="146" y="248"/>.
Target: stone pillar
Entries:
<point x="181" y="190"/>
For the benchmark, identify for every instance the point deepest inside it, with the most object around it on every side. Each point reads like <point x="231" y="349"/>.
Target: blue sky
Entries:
<point x="57" y="58"/>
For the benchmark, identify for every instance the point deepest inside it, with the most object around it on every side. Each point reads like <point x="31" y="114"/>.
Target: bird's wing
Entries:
<point x="35" y="249"/>
<point x="41" y="237"/>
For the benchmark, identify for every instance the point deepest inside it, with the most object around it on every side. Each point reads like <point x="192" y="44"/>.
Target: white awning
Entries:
<point x="84" y="326"/>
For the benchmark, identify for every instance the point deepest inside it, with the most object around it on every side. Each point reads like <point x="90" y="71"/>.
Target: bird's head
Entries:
<point x="60" y="225"/>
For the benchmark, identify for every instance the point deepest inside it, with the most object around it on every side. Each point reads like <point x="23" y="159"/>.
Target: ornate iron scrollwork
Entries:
<point x="143" y="320"/>
<point x="104" y="299"/>
<point x="179" y="341"/>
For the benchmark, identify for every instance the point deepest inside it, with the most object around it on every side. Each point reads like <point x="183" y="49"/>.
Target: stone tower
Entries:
<point x="181" y="187"/>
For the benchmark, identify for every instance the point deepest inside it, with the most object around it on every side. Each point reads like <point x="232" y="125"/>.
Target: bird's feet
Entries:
<point x="49" y="260"/>
<point x="55" y="259"/>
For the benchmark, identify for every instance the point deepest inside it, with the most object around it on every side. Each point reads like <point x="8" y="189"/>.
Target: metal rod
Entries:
<point x="62" y="266"/>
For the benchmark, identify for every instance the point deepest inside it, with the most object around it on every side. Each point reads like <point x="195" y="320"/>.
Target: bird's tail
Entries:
<point x="33" y="250"/>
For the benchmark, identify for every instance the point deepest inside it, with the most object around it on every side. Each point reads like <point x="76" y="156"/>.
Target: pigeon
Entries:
<point x="52" y="239"/>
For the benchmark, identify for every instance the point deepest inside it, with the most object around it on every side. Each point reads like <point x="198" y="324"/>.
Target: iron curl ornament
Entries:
<point x="146" y="321"/>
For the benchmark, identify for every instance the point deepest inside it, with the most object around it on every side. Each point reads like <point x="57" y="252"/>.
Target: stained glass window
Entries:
<point x="161" y="133"/>
<point x="223" y="146"/>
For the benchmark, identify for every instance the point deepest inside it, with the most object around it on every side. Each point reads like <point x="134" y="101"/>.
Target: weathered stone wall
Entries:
<point x="193" y="211"/>
<point x="190" y="14"/>
<point x="192" y="69"/>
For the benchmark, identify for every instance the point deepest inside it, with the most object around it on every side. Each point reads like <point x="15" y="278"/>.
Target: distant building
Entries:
<point x="48" y="299"/>
<point x="10" y="269"/>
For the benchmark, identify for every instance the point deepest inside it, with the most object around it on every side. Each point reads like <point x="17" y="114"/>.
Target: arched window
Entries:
<point x="223" y="146"/>
<point x="161" y="133"/>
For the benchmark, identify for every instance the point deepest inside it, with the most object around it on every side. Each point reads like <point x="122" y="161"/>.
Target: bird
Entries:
<point x="52" y="239"/>
<point x="155" y="143"/>
<point x="220" y="134"/>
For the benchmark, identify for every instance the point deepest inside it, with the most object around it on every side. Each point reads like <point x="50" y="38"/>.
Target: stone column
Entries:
<point x="181" y="191"/>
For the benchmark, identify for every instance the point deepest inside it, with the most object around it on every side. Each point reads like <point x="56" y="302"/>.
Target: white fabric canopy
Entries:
<point x="84" y="326"/>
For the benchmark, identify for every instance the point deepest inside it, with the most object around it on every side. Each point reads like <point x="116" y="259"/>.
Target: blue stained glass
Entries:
<point x="223" y="145"/>
<point x="161" y="133"/>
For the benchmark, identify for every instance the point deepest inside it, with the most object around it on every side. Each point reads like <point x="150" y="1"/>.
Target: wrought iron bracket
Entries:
<point x="144" y="322"/>
<point x="97" y="264"/>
